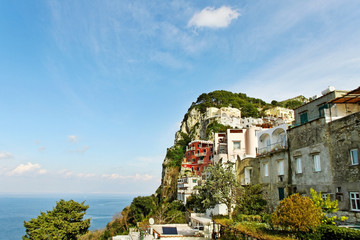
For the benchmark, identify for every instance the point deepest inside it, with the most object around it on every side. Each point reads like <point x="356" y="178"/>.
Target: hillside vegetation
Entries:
<point x="249" y="106"/>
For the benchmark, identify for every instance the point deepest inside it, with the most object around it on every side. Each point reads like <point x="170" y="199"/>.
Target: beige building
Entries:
<point x="283" y="113"/>
<point x="225" y="115"/>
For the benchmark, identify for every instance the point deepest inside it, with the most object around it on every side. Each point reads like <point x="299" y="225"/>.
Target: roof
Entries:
<point x="202" y="220"/>
<point x="317" y="99"/>
<point x="181" y="230"/>
<point x="351" y="97"/>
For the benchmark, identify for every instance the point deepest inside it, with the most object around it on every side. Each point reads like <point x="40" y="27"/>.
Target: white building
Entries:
<point x="185" y="187"/>
<point x="234" y="143"/>
<point x="272" y="139"/>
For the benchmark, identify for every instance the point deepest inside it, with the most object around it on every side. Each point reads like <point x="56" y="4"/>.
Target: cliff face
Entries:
<point x="192" y="127"/>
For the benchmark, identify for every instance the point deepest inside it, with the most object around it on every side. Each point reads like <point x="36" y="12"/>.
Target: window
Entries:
<point x="248" y="174"/>
<point x="266" y="169"/>
<point x="281" y="167"/>
<point x="355" y="201"/>
<point x="322" y="109"/>
<point x="324" y="196"/>
<point x="281" y="193"/>
<point x="354" y="156"/>
<point x="298" y="165"/>
<point x="194" y="180"/>
<point x="317" y="166"/>
<point x="237" y="145"/>
<point x="222" y="149"/>
<point x="304" y="118"/>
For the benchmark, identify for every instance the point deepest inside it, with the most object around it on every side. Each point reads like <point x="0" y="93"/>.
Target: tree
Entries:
<point x="297" y="213"/>
<point x="250" y="200"/>
<point x="220" y="186"/>
<point x="64" y="222"/>
<point x="141" y="207"/>
<point x="327" y="206"/>
<point x="169" y="213"/>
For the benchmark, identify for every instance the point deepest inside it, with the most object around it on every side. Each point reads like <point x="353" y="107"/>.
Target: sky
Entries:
<point x="92" y="92"/>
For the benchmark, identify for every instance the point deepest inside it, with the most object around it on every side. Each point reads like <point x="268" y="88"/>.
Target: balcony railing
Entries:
<point x="271" y="148"/>
<point x="200" y="154"/>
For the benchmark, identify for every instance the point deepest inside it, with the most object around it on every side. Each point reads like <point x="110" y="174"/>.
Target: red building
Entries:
<point x="199" y="155"/>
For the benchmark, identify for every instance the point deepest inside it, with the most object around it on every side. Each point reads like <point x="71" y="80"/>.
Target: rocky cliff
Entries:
<point x="196" y="125"/>
<point x="192" y="127"/>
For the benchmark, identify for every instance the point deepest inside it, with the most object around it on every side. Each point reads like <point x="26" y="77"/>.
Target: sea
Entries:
<point x="15" y="209"/>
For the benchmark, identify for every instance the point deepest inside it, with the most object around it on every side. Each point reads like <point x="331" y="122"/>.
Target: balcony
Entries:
<point x="200" y="161"/>
<point x="200" y="154"/>
<point x="271" y="148"/>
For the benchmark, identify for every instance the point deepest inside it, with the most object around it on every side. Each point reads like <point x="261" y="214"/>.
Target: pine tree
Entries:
<point x="64" y="222"/>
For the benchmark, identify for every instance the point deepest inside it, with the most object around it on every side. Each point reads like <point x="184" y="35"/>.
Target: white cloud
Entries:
<point x="26" y="169"/>
<point x="214" y="18"/>
<point x="5" y="155"/>
<point x="73" y="138"/>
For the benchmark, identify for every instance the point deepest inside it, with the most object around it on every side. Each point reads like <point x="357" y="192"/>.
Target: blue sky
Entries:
<point x="92" y="92"/>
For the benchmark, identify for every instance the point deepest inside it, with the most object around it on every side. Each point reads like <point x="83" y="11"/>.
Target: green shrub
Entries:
<point x="335" y="232"/>
<point x="248" y="218"/>
<point x="309" y="235"/>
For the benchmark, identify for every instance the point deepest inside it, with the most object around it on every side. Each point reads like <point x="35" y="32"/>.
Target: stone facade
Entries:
<point x="308" y="144"/>
<point x="344" y="138"/>
<point x="322" y="154"/>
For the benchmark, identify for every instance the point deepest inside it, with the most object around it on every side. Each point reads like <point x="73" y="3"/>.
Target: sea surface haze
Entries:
<point x="15" y="209"/>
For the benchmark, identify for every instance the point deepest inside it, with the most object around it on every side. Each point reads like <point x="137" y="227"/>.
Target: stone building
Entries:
<point x="320" y="153"/>
<point x="324" y="150"/>
<point x="320" y="107"/>
<point x="270" y="167"/>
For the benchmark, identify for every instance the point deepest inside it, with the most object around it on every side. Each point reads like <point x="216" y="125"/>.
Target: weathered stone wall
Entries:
<point x="305" y="141"/>
<point x="241" y="164"/>
<point x="345" y="136"/>
<point x="274" y="181"/>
